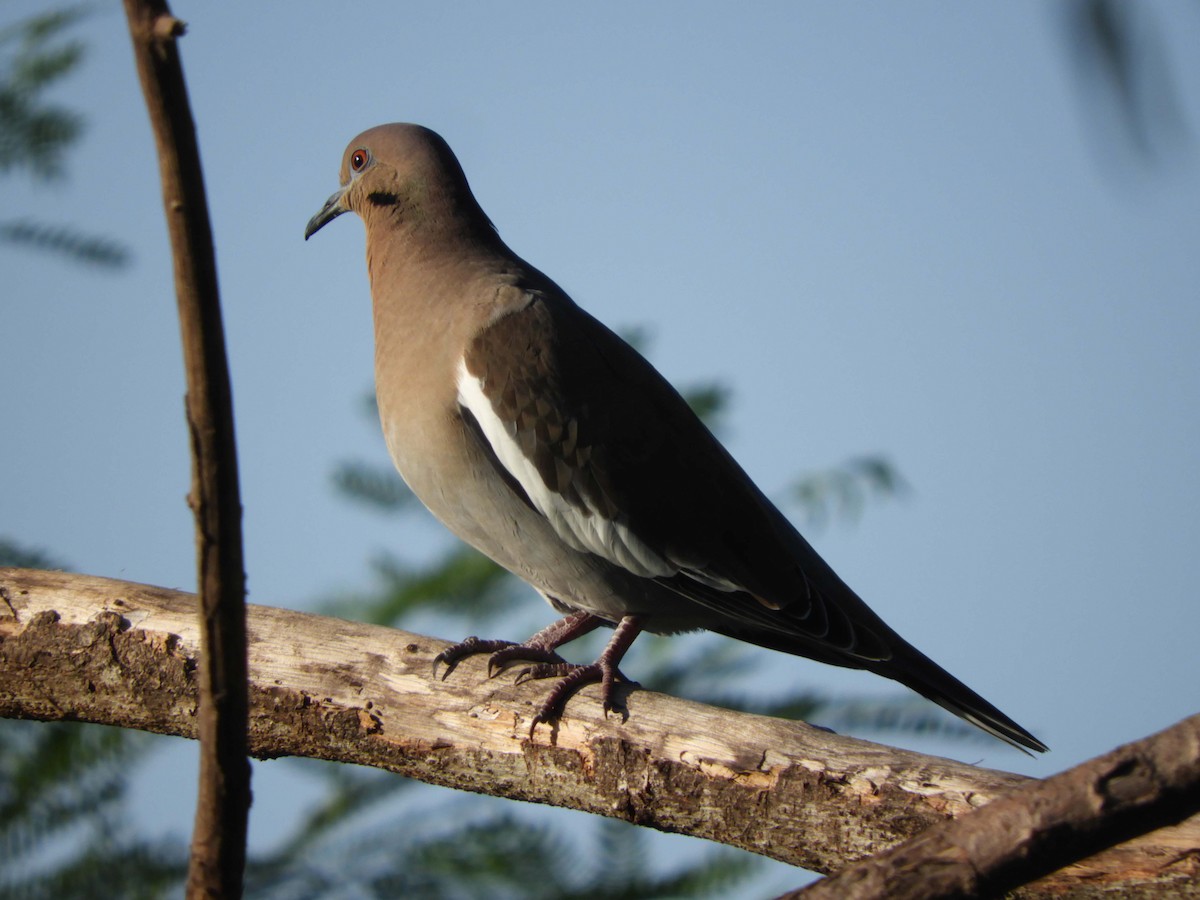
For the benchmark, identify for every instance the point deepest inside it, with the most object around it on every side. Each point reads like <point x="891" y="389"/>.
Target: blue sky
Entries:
<point x="888" y="228"/>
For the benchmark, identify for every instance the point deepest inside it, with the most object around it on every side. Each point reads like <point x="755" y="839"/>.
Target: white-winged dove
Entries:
<point x="541" y="438"/>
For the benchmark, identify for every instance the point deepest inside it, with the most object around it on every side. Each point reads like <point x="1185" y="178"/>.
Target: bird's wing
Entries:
<point x="588" y="433"/>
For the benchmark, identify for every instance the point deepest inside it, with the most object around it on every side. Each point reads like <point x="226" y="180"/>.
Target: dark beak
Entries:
<point x="333" y="208"/>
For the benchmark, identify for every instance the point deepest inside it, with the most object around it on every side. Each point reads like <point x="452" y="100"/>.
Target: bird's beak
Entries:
<point x="333" y="208"/>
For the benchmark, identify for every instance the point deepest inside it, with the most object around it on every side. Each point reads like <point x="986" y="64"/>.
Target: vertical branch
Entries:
<point x="219" y="839"/>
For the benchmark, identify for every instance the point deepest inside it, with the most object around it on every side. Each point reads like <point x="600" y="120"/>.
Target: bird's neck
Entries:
<point x="429" y="296"/>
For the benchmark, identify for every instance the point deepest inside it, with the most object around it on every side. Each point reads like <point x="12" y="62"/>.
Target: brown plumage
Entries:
<point x="537" y="435"/>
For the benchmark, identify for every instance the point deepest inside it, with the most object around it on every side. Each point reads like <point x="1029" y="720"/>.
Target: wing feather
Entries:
<point x="603" y="447"/>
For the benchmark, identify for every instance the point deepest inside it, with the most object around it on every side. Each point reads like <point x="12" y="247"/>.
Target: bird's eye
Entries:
<point x="359" y="159"/>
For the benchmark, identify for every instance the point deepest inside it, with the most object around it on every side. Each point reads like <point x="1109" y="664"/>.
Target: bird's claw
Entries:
<point x="524" y="653"/>
<point x="574" y="678"/>
<point x="539" y="650"/>
<point x="453" y="655"/>
<point x="503" y="653"/>
<point x="545" y="670"/>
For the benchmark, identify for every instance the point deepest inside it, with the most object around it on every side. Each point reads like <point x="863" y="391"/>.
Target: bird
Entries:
<point x="540" y="437"/>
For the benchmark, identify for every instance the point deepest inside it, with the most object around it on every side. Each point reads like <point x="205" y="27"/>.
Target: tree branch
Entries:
<point x="219" y="836"/>
<point x="78" y="647"/>
<point x="1029" y="832"/>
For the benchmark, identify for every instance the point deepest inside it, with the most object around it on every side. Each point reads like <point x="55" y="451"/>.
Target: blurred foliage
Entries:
<point x="64" y="822"/>
<point x="67" y="241"/>
<point x="1124" y="76"/>
<point x="452" y="852"/>
<point x="842" y="492"/>
<point x="708" y="401"/>
<point x="440" y="584"/>
<point x="377" y="486"/>
<point x="14" y="554"/>
<point x="36" y="134"/>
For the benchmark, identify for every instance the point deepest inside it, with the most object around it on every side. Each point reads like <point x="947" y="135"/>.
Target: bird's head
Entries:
<point x="404" y="176"/>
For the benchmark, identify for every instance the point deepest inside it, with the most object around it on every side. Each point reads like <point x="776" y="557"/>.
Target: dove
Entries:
<point x="541" y="438"/>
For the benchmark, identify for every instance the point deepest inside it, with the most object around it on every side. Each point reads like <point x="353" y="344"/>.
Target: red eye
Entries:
<point x="359" y="159"/>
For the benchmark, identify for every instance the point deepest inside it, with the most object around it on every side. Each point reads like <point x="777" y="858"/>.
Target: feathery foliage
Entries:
<point x="64" y="822"/>
<point x="36" y="133"/>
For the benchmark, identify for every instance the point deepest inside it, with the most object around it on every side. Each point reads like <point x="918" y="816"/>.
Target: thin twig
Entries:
<point x="219" y="838"/>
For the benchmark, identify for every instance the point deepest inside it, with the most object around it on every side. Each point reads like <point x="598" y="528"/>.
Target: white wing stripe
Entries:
<point x="592" y="533"/>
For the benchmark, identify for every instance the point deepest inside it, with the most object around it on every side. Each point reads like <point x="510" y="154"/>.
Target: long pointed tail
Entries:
<point x="914" y="669"/>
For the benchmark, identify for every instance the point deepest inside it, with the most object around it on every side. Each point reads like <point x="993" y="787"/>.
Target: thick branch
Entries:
<point x="219" y="837"/>
<point x="75" y="647"/>
<point x="1028" y="832"/>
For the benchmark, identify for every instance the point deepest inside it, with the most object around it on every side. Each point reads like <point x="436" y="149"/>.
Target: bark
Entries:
<point x="1031" y="831"/>
<point x="219" y="836"/>
<point x="78" y="647"/>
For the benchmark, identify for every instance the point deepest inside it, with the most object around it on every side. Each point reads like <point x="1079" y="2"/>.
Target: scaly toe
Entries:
<point x="453" y="655"/>
<point x="522" y="653"/>
<point x="545" y="670"/>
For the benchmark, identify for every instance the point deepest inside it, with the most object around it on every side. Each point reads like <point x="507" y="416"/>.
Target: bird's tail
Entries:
<point x="902" y="662"/>
<point x="914" y="669"/>
<point x="848" y="633"/>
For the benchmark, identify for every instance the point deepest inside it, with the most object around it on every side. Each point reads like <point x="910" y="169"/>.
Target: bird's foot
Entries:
<point x="456" y="653"/>
<point x="539" y="650"/>
<point x="503" y="653"/>
<point x="602" y="672"/>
